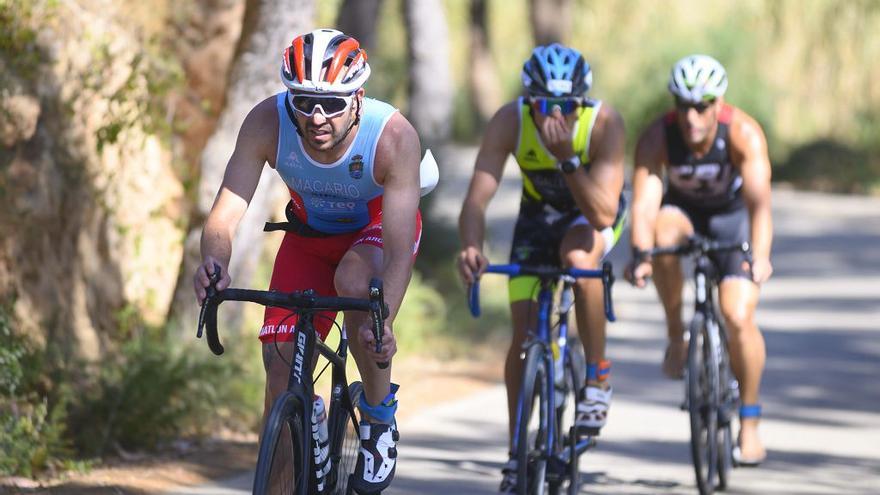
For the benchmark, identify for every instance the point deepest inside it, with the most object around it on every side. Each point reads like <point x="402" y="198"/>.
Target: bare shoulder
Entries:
<point x="609" y="118"/>
<point x="746" y="134"/>
<point x="259" y="131"/>
<point x="399" y="145"/>
<point x="398" y="136"/>
<point x="651" y="144"/>
<point x="263" y="117"/>
<point x="503" y="127"/>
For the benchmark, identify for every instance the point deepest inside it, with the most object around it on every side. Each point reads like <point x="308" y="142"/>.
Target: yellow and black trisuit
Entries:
<point x="548" y="209"/>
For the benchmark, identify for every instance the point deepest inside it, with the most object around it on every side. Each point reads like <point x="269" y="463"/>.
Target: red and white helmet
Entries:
<point x="324" y="61"/>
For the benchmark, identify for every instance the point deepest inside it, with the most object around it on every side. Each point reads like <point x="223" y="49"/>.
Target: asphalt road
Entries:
<point x="820" y="314"/>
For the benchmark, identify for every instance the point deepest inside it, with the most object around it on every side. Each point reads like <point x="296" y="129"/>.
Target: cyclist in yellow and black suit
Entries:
<point x="570" y="151"/>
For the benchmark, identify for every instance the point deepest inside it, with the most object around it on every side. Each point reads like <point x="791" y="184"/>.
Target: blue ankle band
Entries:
<point x="599" y="371"/>
<point x="750" y="411"/>
<point x="384" y="411"/>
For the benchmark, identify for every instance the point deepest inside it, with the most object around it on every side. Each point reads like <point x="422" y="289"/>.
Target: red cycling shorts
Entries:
<point x="310" y="263"/>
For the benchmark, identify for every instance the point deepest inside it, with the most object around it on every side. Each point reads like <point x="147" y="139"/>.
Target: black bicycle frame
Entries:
<point x="305" y="304"/>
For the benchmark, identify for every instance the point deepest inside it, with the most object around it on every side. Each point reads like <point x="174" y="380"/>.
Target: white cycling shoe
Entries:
<point x="377" y="458"/>
<point x="592" y="409"/>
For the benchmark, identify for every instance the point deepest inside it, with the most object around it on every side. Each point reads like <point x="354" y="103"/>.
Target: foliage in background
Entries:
<point x="18" y="38"/>
<point x="155" y="389"/>
<point x="32" y="430"/>
<point x="801" y="68"/>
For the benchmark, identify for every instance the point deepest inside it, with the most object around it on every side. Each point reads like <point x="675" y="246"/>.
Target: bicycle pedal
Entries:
<point x="585" y="431"/>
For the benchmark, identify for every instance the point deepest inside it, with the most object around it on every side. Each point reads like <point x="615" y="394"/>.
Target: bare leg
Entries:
<point x="583" y="247"/>
<point x="524" y="315"/>
<point x="739" y="298"/>
<point x="357" y="267"/>
<point x="672" y="228"/>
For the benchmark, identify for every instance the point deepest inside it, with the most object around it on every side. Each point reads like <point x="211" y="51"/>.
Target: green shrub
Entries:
<point x="33" y="437"/>
<point x="32" y="430"/>
<point x="156" y="390"/>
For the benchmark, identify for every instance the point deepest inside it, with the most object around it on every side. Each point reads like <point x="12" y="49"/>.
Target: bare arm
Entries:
<point x="240" y="181"/>
<point x="750" y="154"/>
<point x="647" y="185"/>
<point x="398" y="154"/>
<point x="597" y="190"/>
<point x="498" y="142"/>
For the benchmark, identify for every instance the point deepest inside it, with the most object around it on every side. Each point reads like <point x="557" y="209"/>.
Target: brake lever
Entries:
<point x="211" y="291"/>
<point x="607" y="283"/>
<point x="379" y="313"/>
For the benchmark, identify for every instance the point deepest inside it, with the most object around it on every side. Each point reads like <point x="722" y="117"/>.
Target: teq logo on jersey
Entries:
<point x="356" y="167"/>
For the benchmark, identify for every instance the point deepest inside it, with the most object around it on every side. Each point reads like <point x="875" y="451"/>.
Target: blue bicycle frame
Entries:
<point x="542" y="335"/>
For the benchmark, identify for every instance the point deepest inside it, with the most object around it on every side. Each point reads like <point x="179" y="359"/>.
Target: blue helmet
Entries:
<point x="556" y="70"/>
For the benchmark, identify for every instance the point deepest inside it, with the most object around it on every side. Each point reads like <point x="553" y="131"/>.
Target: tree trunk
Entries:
<point x="358" y="18"/>
<point x="430" y="80"/>
<point x="483" y="78"/>
<point x="551" y="21"/>
<point x="269" y="26"/>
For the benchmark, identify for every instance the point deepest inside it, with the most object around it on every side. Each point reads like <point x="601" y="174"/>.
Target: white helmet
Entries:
<point x="697" y="78"/>
<point x="324" y="61"/>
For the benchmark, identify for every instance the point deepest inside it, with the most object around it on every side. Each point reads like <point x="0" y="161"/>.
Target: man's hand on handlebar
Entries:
<point x="202" y="277"/>
<point x="471" y="263"/>
<point x="368" y="342"/>
<point x="638" y="273"/>
<point x="761" y="270"/>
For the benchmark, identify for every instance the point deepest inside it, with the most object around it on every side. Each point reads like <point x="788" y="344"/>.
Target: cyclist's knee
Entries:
<point x="580" y="258"/>
<point x="350" y="283"/>
<point x="275" y="362"/>
<point x="739" y="319"/>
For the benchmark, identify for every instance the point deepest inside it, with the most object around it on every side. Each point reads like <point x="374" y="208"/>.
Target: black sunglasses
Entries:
<point x="684" y="106"/>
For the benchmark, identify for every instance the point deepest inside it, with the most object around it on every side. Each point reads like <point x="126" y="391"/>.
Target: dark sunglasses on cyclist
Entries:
<point x="330" y="106"/>
<point x="546" y="105"/>
<point x="683" y="106"/>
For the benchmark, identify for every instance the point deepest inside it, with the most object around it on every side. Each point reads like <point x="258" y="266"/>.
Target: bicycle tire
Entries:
<point x="702" y="406"/>
<point x="728" y="401"/>
<point x="566" y="414"/>
<point x="345" y="441"/>
<point x="531" y="460"/>
<point x="725" y="456"/>
<point x="286" y="422"/>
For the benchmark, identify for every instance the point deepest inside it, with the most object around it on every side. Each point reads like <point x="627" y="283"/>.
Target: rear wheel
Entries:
<point x="703" y="406"/>
<point x="344" y="440"/>
<point x="533" y="418"/>
<point x="282" y="465"/>
<point x="725" y="455"/>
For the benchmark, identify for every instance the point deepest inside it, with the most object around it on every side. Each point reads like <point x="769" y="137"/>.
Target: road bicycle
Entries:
<point x="711" y="391"/>
<point x="286" y="461"/>
<point x="547" y="445"/>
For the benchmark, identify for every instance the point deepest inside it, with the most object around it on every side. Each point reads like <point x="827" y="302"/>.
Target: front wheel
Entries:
<point x="283" y="465"/>
<point x="567" y="440"/>
<point x="532" y="429"/>
<point x="702" y="405"/>
<point x="345" y="440"/>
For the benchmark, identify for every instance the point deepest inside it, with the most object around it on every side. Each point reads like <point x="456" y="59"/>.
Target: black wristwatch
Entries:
<point x="570" y="165"/>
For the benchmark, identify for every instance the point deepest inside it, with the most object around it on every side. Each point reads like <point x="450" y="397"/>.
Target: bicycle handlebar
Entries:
<point x="546" y="272"/>
<point x="296" y="301"/>
<point x="699" y="245"/>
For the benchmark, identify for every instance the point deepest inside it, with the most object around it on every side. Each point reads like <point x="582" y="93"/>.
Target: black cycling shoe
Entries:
<point x="377" y="458"/>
